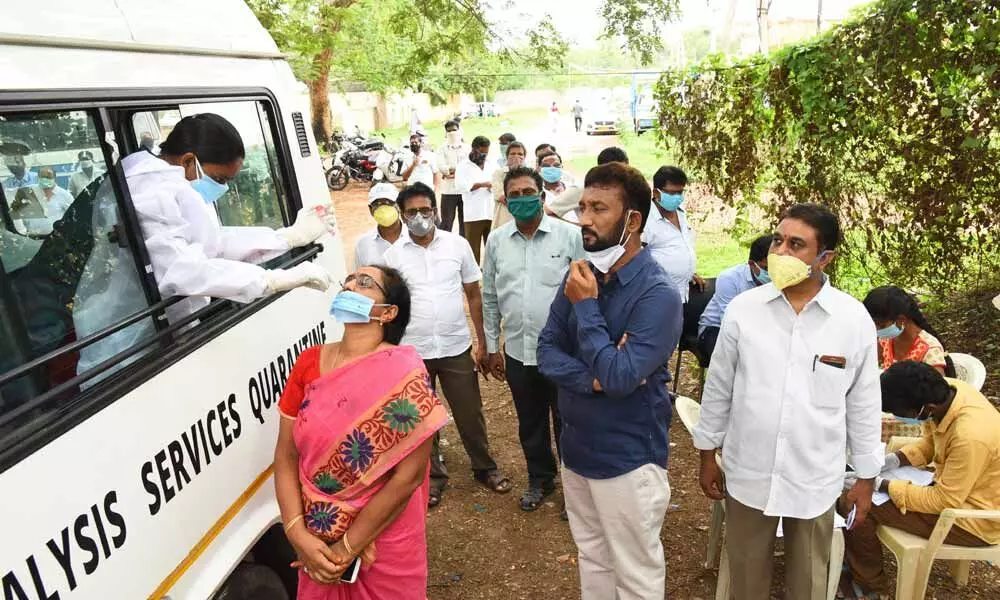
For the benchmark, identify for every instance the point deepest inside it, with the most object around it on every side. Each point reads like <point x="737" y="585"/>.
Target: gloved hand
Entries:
<point x="891" y="462"/>
<point x="310" y="224"/>
<point x="307" y="274"/>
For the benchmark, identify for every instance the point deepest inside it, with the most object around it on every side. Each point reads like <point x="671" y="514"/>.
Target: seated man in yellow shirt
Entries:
<point x="961" y="436"/>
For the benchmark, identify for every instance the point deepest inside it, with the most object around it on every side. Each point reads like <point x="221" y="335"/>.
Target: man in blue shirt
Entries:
<point x="731" y="283"/>
<point x="20" y="175"/>
<point x="609" y="335"/>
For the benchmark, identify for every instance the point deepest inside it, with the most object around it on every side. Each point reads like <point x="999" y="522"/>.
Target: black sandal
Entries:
<point x="533" y="496"/>
<point x="434" y="497"/>
<point x="495" y="481"/>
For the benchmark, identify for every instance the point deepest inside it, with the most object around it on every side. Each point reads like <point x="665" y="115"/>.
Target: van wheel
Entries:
<point x="252" y="582"/>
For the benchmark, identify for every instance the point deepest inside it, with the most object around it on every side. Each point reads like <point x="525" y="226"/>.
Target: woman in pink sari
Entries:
<point x="352" y="459"/>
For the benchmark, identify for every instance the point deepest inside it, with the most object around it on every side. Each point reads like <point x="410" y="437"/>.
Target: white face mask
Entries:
<point x="603" y="260"/>
<point x="454" y="137"/>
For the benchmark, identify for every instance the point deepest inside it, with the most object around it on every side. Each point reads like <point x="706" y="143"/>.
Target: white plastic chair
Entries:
<point x="915" y="555"/>
<point x="996" y="302"/>
<point x="969" y="369"/>
<point x="689" y="411"/>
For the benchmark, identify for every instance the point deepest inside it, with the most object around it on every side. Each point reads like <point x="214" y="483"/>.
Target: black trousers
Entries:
<point x="706" y="343"/>
<point x="535" y="400"/>
<point x="451" y="204"/>
<point x="577" y="122"/>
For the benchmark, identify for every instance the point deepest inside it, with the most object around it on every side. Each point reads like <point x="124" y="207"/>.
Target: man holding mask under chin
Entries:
<point x="607" y="339"/>
<point x="794" y="381"/>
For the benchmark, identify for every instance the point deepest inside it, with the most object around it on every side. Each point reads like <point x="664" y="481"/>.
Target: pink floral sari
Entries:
<point x="354" y="425"/>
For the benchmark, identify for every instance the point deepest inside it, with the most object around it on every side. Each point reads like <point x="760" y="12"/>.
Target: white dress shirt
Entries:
<point x="435" y="276"/>
<point x="370" y="248"/>
<point x="449" y="157"/>
<point x="477" y="204"/>
<point x="425" y="169"/>
<point x="784" y="418"/>
<point x="672" y="248"/>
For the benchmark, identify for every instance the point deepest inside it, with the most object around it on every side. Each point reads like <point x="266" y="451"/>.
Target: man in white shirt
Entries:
<point x="514" y="154"/>
<point x="371" y="246"/>
<point x="561" y="198"/>
<point x="79" y="180"/>
<point x="450" y="156"/>
<point x="667" y="233"/>
<point x="439" y="268"/>
<point x="475" y="180"/>
<point x="424" y="167"/>
<point x="794" y="383"/>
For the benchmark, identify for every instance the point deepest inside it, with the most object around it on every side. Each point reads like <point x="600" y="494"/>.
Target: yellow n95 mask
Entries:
<point x="386" y="216"/>
<point x="787" y="271"/>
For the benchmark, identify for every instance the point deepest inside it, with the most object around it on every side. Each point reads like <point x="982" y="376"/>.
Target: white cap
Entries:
<point x="382" y="190"/>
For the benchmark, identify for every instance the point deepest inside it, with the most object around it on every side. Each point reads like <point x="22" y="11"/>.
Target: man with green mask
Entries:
<point x="372" y="244"/>
<point x="523" y="270"/>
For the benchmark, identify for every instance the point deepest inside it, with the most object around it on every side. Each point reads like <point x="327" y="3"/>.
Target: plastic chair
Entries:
<point x="689" y="411"/>
<point x="969" y="369"/>
<point x="833" y="578"/>
<point x="915" y="555"/>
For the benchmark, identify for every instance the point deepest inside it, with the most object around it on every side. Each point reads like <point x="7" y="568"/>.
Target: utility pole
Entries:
<point x="763" y="36"/>
<point x="819" y="16"/>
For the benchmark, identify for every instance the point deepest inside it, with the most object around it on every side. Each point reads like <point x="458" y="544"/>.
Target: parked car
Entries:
<point x="600" y="120"/>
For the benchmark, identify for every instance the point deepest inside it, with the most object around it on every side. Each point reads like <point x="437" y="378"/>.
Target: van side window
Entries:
<point x="66" y="270"/>
<point x="255" y="195"/>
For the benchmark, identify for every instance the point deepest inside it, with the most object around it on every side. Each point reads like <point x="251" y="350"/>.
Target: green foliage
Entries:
<point x="889" y="119"/>
<point x="637" y="23"/>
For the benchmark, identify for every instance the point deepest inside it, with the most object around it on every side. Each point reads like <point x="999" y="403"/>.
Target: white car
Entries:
<point x="600" y="121"/>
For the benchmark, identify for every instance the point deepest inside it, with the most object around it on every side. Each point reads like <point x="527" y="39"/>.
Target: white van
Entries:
<point x="148" y="475"/>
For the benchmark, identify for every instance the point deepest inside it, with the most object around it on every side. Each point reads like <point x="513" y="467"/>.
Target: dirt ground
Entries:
<point x="482" y="546"/>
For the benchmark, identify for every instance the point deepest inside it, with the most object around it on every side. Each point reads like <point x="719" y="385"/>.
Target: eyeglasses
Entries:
<point x="423" y="212"/>
<point x="364" y="281"/>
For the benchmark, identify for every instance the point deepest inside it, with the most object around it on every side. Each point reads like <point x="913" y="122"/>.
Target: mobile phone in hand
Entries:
<point x="350" y="575"/>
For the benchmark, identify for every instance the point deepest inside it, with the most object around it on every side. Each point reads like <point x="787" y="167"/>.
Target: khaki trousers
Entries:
<point x="750" y="537"/>
<point x="477" y="232"/>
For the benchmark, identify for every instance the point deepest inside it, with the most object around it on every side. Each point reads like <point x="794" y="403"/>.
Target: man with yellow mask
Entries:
<point x="794" y="382"/>
<point x="372" y="244"/>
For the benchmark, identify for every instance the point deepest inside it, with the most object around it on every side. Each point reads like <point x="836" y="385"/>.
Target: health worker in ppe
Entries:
<point x="190" y="252"/>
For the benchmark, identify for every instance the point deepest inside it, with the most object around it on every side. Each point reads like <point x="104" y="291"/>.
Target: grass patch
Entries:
<point x="717" y="252"/>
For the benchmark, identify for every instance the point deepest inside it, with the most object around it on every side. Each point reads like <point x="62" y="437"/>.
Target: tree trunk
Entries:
<point x="319" y="97"/>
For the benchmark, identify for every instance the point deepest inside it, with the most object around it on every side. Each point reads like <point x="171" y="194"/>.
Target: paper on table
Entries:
<point x="912" y="474"/>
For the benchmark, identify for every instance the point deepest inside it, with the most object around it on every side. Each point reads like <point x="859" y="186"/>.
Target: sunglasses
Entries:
<point x="363" y="281"/>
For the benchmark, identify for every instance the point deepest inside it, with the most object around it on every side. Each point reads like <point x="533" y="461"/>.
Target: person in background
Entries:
<point x="561" y="198"/>
<point x="424" y="167"/>
<point x="961" y="436"/>
<point x="668" y="234"/>
<point x="523" y="269"/>
<point x="605" y="345"/>
<point x="440" y="269"/>
<point x="82" y="177"/>
<point x="475" y="180"/>
<point x="371" y="246"/>
<point x="505" y="140"/>
<point x="55" y="200"/>
<point x="452" y="154"/>
<point x="578" y="116"/>
<point x="612" y="154"/>
<point x="541" y="150"/>
<point x="349" y="485"/>
<point x="731" y="283"/>
<point x="793" y="383"/>
<point x="554" y="118"/>
<point x="20" y="174"/>
<point x="903" y="332"/>
<point x="514" y="157"/>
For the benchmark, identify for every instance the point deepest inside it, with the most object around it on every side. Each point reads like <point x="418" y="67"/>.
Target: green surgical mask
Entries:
<point x="46" y="184"/>
<point x="524" y="208"/>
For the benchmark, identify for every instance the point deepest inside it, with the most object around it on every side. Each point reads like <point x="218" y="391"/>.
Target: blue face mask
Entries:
<point x="210" y="189"/>
<point x="912" y="420"/>
<point x="890" y="332"/>
<point x="352" y="307"/>
<point x="671" y="202"/>
<point x="551" y="174"/>
<point x="763" y="277"/>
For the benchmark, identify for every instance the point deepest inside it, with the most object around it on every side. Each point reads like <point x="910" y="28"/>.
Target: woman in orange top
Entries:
<point x="903" y="332"/>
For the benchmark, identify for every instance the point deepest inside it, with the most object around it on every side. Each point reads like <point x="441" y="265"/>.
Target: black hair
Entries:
<point x="506" y="138"/>
<point x="888" y="303"/>
<point x="85" y="155"/>
<point x="821" y="219"/>
<point x="398" y="294"/>
<point x="515" y="144"/>
<point x="210" y="137"/>
<point x="479" y="141"/>
<point x="760" y="247"/>
<point x="635" y="190"/>
<point x="548" y="154"/>
<point x="665" y="175"/>
<point x="907" y="386"/>
<point x="451" y="123"/>
<point x="522" y="172"/>
<point x="412" y="191"/>
<point x="416" y="135"/>
<point x="612" y="154"/>
<point x="541" y="147"/>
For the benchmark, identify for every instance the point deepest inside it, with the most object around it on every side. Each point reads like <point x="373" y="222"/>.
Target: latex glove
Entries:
<point x="891" y="462"/>
<point x="309" y="225"/>
<point x="307" y="274"/>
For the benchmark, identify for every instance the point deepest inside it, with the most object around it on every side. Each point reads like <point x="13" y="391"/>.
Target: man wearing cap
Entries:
<point x="80" y="179"/>
<point x="373" y="244"/>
